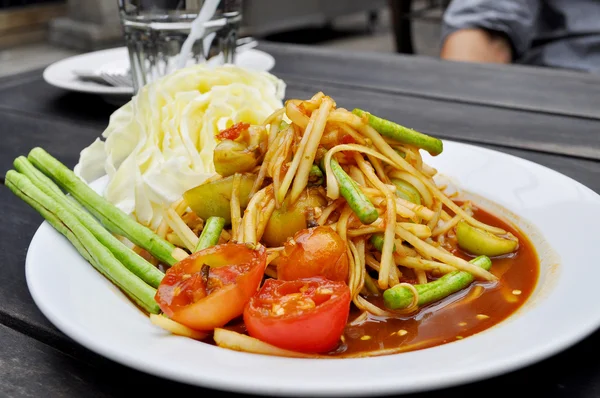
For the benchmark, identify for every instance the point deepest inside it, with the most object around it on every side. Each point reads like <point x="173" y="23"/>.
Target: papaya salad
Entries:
<point x="322" y="233"/>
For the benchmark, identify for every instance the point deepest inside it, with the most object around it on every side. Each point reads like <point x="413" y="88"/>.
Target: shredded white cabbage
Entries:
<point x="161" y="143"/>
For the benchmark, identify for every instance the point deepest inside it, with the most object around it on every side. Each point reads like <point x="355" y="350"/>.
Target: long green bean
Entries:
<point x="111" y="217"/>
<point x="134" y="262"/>
<point x="83" y="240"/>
<point x="52" y="220"/>
<point x="399" y="297"/>
<point x="210" y="233"/>
<point x="402" y="134"/>
<point x="357" y="200"/>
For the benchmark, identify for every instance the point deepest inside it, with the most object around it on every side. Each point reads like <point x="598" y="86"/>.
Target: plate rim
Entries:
<point x="493" y="368"/>
<point x="50" y="71"/>
<point x="83" y="88"/>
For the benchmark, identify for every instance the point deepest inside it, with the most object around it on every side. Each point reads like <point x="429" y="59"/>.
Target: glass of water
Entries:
<point x="165" y="35"/>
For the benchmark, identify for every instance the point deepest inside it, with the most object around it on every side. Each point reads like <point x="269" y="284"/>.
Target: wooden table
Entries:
<point x="547" y="116"/>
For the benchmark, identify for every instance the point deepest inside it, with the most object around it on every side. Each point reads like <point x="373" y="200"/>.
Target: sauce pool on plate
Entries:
<point x="463" y="314"/>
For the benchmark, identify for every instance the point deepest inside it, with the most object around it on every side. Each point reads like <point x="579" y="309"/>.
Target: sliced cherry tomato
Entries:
<point x="233" y="132"/>
<point x="305" y="315"/>
<point x="313" y="252"/>
<point x="211" y="287"/>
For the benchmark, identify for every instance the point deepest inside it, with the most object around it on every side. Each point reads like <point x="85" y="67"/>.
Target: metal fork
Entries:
<point x="117" y="79"/>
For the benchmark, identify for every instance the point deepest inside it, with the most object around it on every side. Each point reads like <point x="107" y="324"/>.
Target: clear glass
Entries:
<point x="155" y="31"/>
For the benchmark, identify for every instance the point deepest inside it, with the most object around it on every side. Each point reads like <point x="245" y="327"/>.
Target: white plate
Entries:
<point x="85" y="306"/>
<point x="61" y="74"/>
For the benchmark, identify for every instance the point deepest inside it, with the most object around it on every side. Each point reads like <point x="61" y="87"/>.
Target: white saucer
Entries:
<point x="61" y="74"/>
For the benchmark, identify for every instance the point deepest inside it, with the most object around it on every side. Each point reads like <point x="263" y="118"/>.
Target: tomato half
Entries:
<point x="305" y="315"/>
<point x="211" y="287"/>
<point x="318" y="251"/>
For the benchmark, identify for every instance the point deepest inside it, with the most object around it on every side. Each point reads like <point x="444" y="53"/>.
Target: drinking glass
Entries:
<point x="156" y="30"/>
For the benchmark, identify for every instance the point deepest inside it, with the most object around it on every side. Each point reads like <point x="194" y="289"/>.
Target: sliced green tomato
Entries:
<point x="407" y="191"/>
<point x="479" y="242"/>
<point x="402" y="134"/>
<point x="289" y="219"/>
<point x="213" y="199"/>
<point x="230" y="157"/>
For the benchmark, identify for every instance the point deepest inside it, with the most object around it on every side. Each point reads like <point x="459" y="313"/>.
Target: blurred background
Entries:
<point x="35" y="33"/>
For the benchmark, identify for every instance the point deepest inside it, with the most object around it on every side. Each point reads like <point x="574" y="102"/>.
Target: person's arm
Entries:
<point x="488" y="30"/>
<point x="477" y="45"/>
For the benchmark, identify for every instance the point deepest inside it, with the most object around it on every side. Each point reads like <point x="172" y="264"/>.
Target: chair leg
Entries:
<point x="400" y="9"/>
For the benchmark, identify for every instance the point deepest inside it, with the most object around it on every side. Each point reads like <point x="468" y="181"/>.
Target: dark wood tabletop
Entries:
<point x="547" y="116"/>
